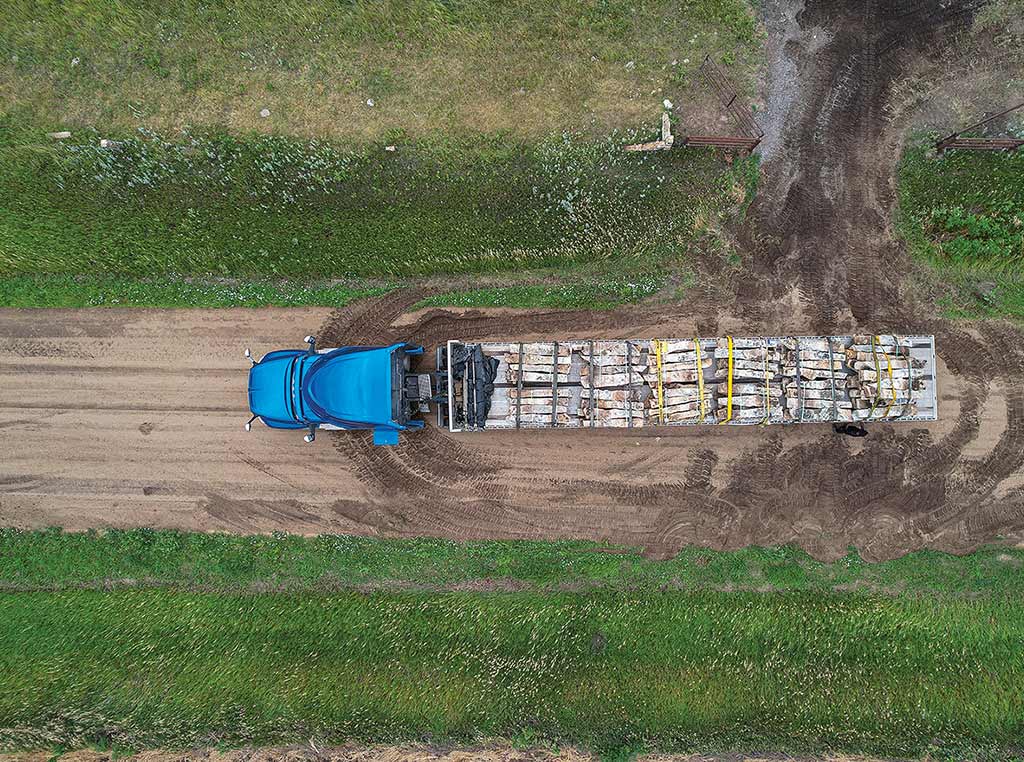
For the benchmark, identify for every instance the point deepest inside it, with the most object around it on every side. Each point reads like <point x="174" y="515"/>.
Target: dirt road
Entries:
<point x="134" y="418"/>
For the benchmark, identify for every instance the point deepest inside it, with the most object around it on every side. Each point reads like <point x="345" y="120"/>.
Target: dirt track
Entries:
<point x="134" y="417"/>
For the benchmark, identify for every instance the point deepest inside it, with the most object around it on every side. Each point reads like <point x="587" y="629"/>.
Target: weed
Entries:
<point x="963" y="214"/>
<point x="82" y="291"/>
<point x="570" y="296"/>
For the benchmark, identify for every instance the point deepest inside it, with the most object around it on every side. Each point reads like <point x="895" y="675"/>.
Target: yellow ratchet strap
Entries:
<point x="661" y="386"/>
<point x="700" y="380"/>
<point x="728" y="404"/>
<point x="892" y="386"/>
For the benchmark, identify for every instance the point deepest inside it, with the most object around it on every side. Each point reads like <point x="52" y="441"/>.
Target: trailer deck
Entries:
<point x="735" y="381"/>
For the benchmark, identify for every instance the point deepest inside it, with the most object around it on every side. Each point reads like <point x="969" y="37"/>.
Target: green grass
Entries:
<point x="474" y="65"/>
<point x="77" y="291"/>
<point x="142" y="638"/>
<point x="31" y="560"/>
<point x="267" y="209"/>
<point x="568" y="296"/>
<point x="802" y="672"/>
<point x="963" y="215"/>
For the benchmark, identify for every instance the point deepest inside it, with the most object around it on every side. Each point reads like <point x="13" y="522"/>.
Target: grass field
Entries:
<point x="964" y="216"/>
<point x="506" y="120"/>
<point x="270" y="208"/>
<point x="796" y="672"/>
<point x="69" y="291"/>
<point x="142" y="638"/>
<point x="49" y="560"/>
<point x="533" y="68"/>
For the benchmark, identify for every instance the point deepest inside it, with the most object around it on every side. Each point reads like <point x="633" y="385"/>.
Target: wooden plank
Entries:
<point x="554" y="386"/>
<point x="629" y="373"/>
<point x="592" y="384"/>
<point x="519" y="390"/>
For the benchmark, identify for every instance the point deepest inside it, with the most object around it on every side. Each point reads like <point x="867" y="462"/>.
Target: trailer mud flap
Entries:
<point x="385" y="437"/>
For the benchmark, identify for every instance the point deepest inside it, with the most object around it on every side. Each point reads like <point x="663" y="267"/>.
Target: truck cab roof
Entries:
<point x="351" y="387"/>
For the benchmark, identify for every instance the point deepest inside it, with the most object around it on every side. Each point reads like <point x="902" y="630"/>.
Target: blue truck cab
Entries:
<point x="345" y="388"/>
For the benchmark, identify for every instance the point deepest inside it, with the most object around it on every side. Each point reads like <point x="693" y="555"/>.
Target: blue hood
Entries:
<point x="351" y="387"/>
<point x="273" y="396"/>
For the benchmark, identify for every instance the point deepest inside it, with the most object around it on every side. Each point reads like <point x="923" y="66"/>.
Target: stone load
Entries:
<point x="728" y="380"/>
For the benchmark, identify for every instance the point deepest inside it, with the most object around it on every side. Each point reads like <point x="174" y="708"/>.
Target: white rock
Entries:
<point x="667" y="103"/>
<point x="630" y="65"/>
<point x="369" y="102"/>
<point x="265" y="113"/>
<point x="389" y="148"/>
<point x="75" y="61"/>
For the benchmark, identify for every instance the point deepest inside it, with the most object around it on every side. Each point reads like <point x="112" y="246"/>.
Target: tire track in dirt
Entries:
<point x="821" y="223"/>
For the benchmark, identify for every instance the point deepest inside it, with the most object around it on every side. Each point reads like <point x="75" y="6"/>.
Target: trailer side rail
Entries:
<point x="691" y="382"/>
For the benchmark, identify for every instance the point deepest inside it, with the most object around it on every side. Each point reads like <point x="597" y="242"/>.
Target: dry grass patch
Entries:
<point x="525" y="66"/>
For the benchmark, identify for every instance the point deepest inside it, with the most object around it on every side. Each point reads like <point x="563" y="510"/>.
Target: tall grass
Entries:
<point x="260" y="207"/>
<point x="963" y="214"/>
<point x="282" y="639"/>
<point x="710" y="671"/>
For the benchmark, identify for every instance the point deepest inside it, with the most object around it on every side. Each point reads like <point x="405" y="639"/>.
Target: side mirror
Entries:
<point x="308" y="438"/>
<point x="311" y="340"/>
<point x="248" y="426"/>
<point x="248" y="356"/>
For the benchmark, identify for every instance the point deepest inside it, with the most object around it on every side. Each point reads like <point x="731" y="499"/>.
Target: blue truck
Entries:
<point x="345" y="388"/>
<point x="627" y="383"/>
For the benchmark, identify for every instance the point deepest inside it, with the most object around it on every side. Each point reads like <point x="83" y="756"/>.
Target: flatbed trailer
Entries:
<point x="735" y="381"/>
